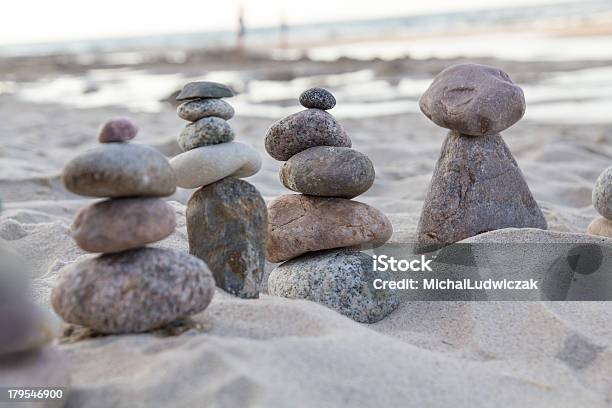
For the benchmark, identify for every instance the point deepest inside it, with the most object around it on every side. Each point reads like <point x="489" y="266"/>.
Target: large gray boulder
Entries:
<point x="227" y="225"/>
<point x="476" y="187"/>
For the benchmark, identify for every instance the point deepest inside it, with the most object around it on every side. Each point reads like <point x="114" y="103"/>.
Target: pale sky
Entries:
<point x="52" y="20"/>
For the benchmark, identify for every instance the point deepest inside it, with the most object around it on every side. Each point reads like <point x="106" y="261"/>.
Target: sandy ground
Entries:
<point x="279" y="352"/>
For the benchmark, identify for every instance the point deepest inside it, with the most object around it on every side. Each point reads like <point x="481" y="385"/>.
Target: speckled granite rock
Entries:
<point x="46" y="368"/>
<point x="204" y="132"/>
<point x="602" y="193"/>
<point x="341" y="280"/>
<point x="120" y="224"/>
<point x="117" y="130"/>
<point x="120" y="170"/>
<point x="204" y="89"/>
<point x="601" y="227"/>
<point x="207" y="164"/>
<point x="473" y="99"/>
<point x="197" y="109"/>
<point x="318" y="98"/>
<point x="300" y="224"/>
<point x="227" y="226"/>
<point x="302" y="130"/>
<point x="133" y="291"/>
<point x="476" y="187"/>
<point x="328" y="171"/>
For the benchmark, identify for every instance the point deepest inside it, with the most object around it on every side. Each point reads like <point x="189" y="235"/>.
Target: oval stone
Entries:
<point x="204" y="132"/>
<point x="117" y="130"/>
<point x="207" y="164"/>
<point x="204" y="89"/>
<point x="602" y="193"/>
<point x="601" y="227"/>
<point x="303" y="130"/>
<point x="340" y="280"/>
<point x="227" y="225"/>
<point x="197" y="109"/>
<point x="121" y="224"/>
<point x="120" y="170"/>
<point x="318" y="98"/>
<point x="133" y="291"/>
<point x="329" y="172"/>
<point x="473" y="99"/>
<point x="300" y="224"/>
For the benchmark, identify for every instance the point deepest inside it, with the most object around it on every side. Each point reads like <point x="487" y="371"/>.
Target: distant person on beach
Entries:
<point x="283" y="40"/>
<point x="241" y="31"/>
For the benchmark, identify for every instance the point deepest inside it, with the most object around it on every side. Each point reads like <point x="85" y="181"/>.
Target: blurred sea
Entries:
<point x="570" y="30"/>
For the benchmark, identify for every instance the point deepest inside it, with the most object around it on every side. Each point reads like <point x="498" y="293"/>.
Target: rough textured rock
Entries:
<point x="25" y="326"/>
<point x="227" y="226"/>
<point x="207" y="164"/>
<point x="204" y="89"/>
<point x="341" y="280"/>
<point x="300" y="224"/>
<point x="473" y="99"/>
<point x="120" y="170"/>
<point x="476" y="187"/>
<point x="46" y="368"/>
<point x="318" y="98"/>
<point x="117" y="130"/>
<point x="601" y="227"/>
<point x="303" y="130"/>
<point x="197" y="109"/>
<point x="204" y="132"/>
<point x="328" y="171"/>
<point x="121" y="224"/>
<point x="602" y="193"/>
<point x="133" y="291"/>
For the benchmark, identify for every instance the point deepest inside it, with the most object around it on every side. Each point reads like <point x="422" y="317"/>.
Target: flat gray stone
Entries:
<point x="25" y="326"/>
<point x="602" y="193"/>
<point x="476" y="187"/>
<point x="318" y="98"/>
<point x="303" y="130"/>
<point x="473" y="99"/>
<point x="204" y="89"/>
<point x="328" y="172"/>
<point x="197" y="109"/>
<point x="205" y="132"/>
<point x="120" y="170"/>
<point x="120" y="224"/>
<point x="226" y="225"/>
<point x="133" y="291"/>
<point x="341" y="280"/>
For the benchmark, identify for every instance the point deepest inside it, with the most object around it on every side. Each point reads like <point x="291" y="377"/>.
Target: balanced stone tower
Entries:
<point x="226" y="217"/>
<point x="320" y="231"/>
<point x="602" y="201"/>
<point x="130" y="287"/>
<point x="477" y="185"/>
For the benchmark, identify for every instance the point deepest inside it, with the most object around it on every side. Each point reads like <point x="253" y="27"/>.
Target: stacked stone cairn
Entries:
<point x="28" y="358"/>
<point x="602" y="201"/>
<point x="319" y="232"/>
<point x="226" y="216"/>
<point x="477" y="185"/>
<point x="130" y="287"/>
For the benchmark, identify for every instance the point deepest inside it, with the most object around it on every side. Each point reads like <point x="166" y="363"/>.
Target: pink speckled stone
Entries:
<point x="117" y="130"/>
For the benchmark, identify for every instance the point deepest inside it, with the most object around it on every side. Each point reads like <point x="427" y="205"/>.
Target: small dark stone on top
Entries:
<point x="204" y="89"/>
<point x="317" y="98"/>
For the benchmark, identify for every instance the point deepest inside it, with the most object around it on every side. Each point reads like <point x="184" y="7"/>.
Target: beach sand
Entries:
<point x="279" y="352"/>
